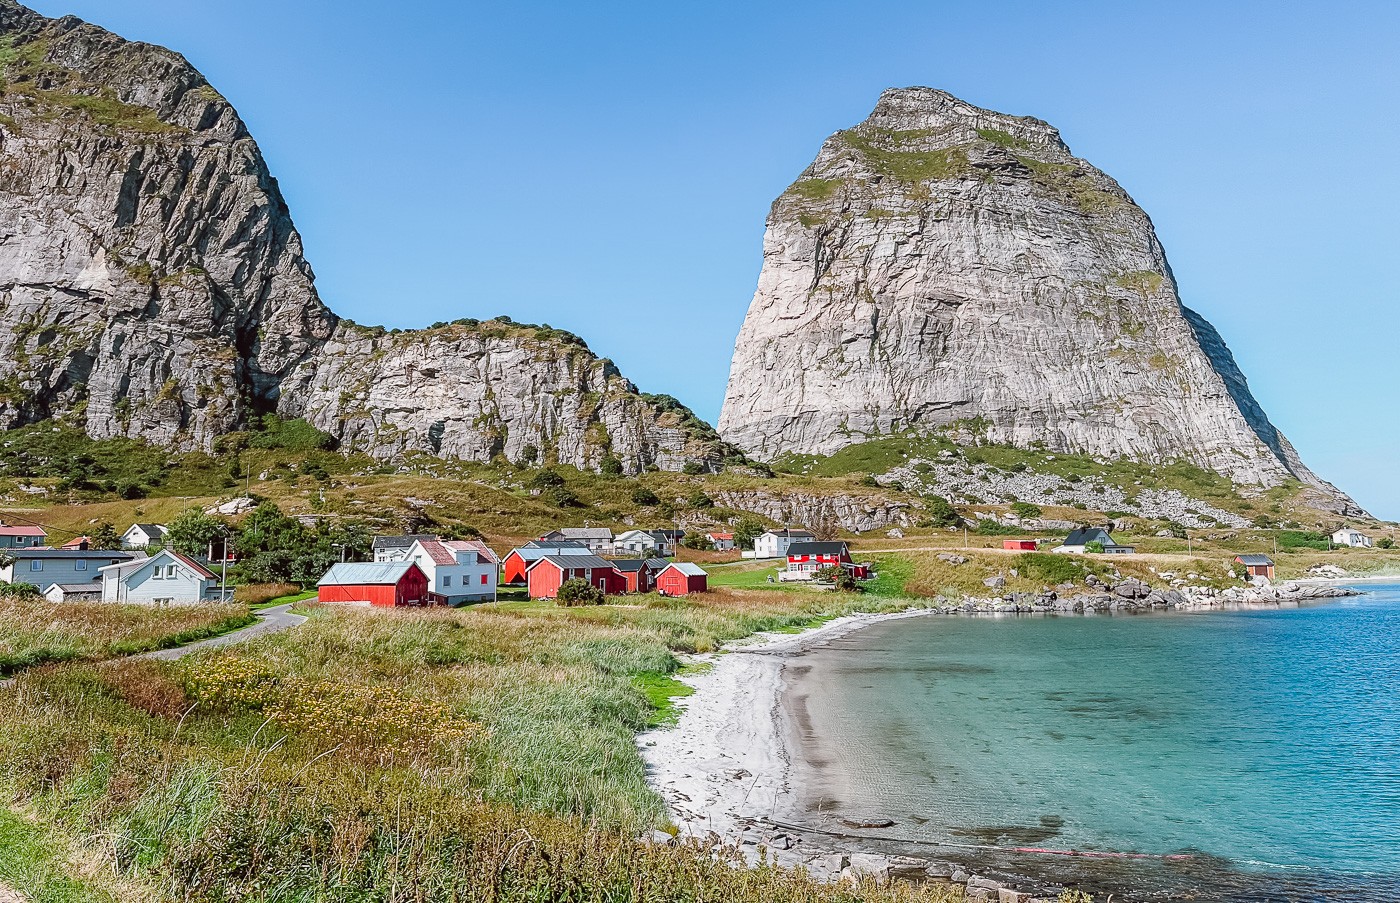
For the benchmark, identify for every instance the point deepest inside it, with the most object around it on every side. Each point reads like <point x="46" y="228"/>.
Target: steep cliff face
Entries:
<point x="149" y="269"/>
<point x="941" y="263"/>
<point x="475" y="391"/>
<point x="152" y="285"/>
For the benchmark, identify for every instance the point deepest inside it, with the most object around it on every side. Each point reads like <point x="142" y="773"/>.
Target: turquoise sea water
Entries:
<point x="1264" y="745"/>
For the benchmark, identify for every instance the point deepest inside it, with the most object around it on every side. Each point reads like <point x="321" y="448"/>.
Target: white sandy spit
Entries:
<point x="726" y="760"/>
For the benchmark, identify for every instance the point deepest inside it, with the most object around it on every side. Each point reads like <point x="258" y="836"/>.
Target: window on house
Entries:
<point x="170" y="571"/>
<point x="36" y="565"/>
<point x="447" y="580"/>
<point x="80" y="565"/>
<point x="483" y="579"/>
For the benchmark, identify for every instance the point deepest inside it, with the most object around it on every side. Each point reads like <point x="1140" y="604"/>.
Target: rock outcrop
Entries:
<point x="942" y="264"/>
<point x="152" y="285"/>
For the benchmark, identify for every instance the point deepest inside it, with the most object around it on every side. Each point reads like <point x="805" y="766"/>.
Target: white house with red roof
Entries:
<point x="21" y="537"/>
<point x="722" y="542"/>
<point x="165" y="578"/>
<point x="459" y="571"/>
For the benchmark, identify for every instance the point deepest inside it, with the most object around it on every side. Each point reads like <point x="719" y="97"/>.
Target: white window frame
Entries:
<point x="36" y="564"/>
<point x="80" y="565"/>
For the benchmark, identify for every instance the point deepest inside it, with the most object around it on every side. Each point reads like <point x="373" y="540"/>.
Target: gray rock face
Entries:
<point x="152" y="285"/>
<point x="859" y="514"/>
<point x="941" y="264"/>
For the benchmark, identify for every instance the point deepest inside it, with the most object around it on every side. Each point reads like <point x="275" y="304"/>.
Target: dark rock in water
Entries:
<point x="866" y="821"/>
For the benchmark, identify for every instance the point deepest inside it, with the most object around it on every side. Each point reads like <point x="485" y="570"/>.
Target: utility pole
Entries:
<point x="223" y="579"/>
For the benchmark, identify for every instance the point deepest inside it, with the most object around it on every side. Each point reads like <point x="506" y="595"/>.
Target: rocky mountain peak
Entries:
<point x="939" y="265"/>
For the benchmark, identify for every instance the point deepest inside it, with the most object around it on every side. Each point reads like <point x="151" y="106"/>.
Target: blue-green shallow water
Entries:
<point x="1265" y="742"/>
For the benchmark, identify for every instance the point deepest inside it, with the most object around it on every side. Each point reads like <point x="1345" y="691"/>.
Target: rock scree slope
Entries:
<point x="152" y="285"/>
<point x="941" y="264"/>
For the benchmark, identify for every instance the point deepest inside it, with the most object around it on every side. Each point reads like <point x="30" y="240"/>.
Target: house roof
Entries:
<point x="720" y="535"/>
<point x="687" y="568"/>
<point x="792" y="534"/>
<point x="91" y="554"/>
<point x="1087" y="535"/>
<point x="400" y="542"/>
<point x="1256" y="560"/>
<point x="139" y="559"/>
<point x="78" y="542"/>
<point x="149" y="529"/>
<point x="6" y="530"/>
<point x="818" y="548"/>
<point x="535" y="553"/>
<point x="437" y="551"/>
<point x="366" y="573"/>
<point x="573" y="561"/>
<point x="580" y="533"/>
<point x="627" y="565"/>
<point x="672" y="535"/>
<point x="93" y="587"/>
<point x="553" y="544"/>
<point x="1349" y="531"/>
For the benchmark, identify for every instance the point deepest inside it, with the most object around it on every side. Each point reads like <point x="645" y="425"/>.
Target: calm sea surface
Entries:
<point x="1262" y="745"/>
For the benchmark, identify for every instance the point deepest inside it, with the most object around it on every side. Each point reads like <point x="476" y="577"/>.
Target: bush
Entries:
<point x="578" y="592"/>
<point x="292" y="435"/>
<point x="561" y="497"/>
<point x="544" y="479"/>
<point x="1303" y="539"/>
<point x="611" y="466"/>
<point x="1026" y="510"/>
<point x="941" y="512"/>
<point x="838" y="577"/>
<point x="1094" y="547"/>
<point x="1178" y="530"/>
<point x="693" y="468"/>
<point x="644" y="496"/>
<point x="19" y="591"/>
<point x="869" y="480"/>
<point x="988" y="527"/>
<point x="1385" y="542"/>
<point x="698" y="541"/>
<point x="699" y="499"/>
<point x="529" y="454"/>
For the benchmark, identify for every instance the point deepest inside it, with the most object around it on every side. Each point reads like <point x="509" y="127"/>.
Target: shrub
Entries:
<point x="1303" y="539"/>
<point x="988" y="527"/>
<point x="561" y="497"/>
<point x="699" y="499"/>
<point x="529" y="454"/>
<point x="544" y="479"/>
<point x="1178" y="530"/>
<point x="1094" y="547"/>
<point x="1026" y="510"/>
<point x="644" y="496"/>
<point x="578" y="592"/>
<point x="698" y="541"/>
<point x="869" y="480"/>
<point x="292" y="435"/>
<point x="693" y="468"/>
<point x="611" y="466"/>
<point x="19" y="591"/>
<point x="1385" y="542"/>
<point x="838" y="577"/>
<point x="941" y="512"/>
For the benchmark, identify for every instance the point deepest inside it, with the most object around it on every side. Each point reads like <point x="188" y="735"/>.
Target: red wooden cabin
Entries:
<point x="546" y="575"/>
<point x="387" y="584"/>
<point x="639" y="574"/>
<point x="681" y="578"/>
<point x="1020" y="545"/>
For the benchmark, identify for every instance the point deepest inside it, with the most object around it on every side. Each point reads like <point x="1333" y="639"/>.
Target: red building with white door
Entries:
<point x="681" y="578"/>
<point x="546" y="575"/>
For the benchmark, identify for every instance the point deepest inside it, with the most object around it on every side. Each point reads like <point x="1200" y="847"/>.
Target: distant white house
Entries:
<point x="139" y="536"/>
<point x="165" y="578"/>
<point x="598" y="540"/>
<point x="1351" y="538"/>
<point x="722" y="542"/>
<point x="1077" y="543"/>
<point x="458" y="571"/>
<point x="395" y="548"/>
<point x="775" y="543"/>
<point x="74" y="592"/>
<point x="642" y="543"/>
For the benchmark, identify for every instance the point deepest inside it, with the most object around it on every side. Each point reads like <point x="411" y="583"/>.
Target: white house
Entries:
<point x="642" y="543"/>
<point x="167" y="577"/>
<point x="44" y="567"/>
<point x="774" y="543"/>
<point x="395" y="548"/>
<point x="1077" y="543"/>
<point x="74" y="592"/>
<point x="598" y="540"/>
<point x="1351" y="538"/>
<point x="722" y="542"/>
<point x="458" y="571"/>
<point x="139" y="536"/>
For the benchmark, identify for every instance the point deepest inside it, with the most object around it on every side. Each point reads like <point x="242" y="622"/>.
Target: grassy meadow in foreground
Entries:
<point x="481" y="754"/>
<point x="36" y="631"/>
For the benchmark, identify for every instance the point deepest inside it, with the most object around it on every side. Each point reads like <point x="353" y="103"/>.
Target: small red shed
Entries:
<point x="639" y="574"/>
<point x="1257" y="565"/>
<point x="388" y="584"/>
<point x="1020" y="545"/>
<point x="546" y="575"/>
<point x="681" y="578"/>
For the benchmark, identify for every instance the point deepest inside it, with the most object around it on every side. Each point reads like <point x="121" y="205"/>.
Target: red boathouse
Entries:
<point x="386" y="584"/>
<point x="681" y="578"/>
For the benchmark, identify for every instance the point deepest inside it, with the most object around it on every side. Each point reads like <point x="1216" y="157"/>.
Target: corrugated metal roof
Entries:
<point x="575" y="561"/>
<point x="369" y="573"/>
<point x="687" y="568"/>
<point x="1254" y="559"/>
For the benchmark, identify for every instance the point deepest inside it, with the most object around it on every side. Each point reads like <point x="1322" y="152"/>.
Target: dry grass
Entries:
<point x="262" y="593"/>
<point x="36" y="632"/>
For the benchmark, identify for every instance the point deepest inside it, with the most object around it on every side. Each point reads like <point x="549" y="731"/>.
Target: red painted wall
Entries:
<point x="513" y="568"/>
<point x="673" y="583"/>
<point x="412" y="589"/>
<point x="1023" y="545"/>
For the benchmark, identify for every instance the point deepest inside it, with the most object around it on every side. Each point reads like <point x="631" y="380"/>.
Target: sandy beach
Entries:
<point x="727" y="761"/>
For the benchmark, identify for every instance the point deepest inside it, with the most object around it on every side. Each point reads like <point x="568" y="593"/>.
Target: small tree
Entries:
<point x="692" y="468"/>
<point x="644" y="496"/>
<point x="746" y="531"/>
<point x="529" y="454"/>
<point x="698" y="499"/>
<point x="698" y="541"/>
<point x="839" y="577"/>
<point x="1094" y="548"/>
<point x="105" y="536"/>
<point x="611" y="466"/>
<point x="1026" y="510"/>
<point x="578" y="592"/>
<point x="941" y="512"/>
<point x="545" y="479"/>
<point x="1385" y="542"/>
<point x="191" y="532"/>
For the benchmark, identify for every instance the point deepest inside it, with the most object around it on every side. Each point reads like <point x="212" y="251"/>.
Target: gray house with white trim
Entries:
<point x="44" y="567"/>
<point x="165" y="578"/>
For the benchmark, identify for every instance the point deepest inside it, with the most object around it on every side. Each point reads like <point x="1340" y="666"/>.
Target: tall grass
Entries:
<point x="483" y="754"/>
<point x="39" y="632"/>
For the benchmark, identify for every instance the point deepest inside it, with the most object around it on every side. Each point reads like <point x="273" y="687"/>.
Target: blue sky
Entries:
<point x="607" y="167"/>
